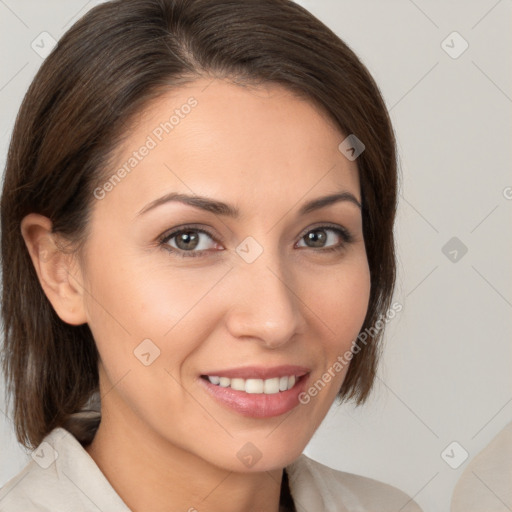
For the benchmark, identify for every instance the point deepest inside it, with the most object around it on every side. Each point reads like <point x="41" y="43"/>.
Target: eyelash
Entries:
<point x="344" y="234"/>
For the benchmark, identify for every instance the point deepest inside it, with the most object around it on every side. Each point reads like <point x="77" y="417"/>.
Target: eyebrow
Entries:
<point x="224" y="209"/>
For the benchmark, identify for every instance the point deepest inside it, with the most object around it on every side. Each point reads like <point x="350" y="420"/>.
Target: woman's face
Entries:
<point x="238" y="281"/>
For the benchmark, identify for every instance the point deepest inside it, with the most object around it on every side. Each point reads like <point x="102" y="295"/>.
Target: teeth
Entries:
<point x="238" y="384"/>
<point x="214" y="380"/>
<point x="271" y="386"/>
<point x="255" y="386"/>
<point x="224" y="382"/>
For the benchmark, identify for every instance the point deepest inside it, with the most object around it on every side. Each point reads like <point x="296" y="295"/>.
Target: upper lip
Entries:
<point x="260" y="372"/>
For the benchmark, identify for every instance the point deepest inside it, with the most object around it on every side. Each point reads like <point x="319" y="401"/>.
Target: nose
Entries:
<point x="264" y="306"/>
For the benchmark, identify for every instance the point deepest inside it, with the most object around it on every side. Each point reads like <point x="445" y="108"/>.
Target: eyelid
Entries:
<point x="171" y="233"/>
<point x="186" y="227"/>
<point x="345" y="234"/>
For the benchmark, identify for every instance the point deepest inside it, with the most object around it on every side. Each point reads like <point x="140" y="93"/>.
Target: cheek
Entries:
<point x="340" y="300"/>
<point x="130" y="299"/>
<point x="340" y="305"/>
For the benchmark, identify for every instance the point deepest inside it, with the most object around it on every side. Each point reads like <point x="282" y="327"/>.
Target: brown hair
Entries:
<point x="104" y="70"/>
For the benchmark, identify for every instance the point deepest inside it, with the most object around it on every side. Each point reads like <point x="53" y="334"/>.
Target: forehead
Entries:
<point x="256" y="144"/>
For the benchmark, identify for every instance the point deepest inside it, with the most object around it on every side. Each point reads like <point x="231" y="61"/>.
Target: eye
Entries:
<point x="189" y="240"/>
<point x="326" y="237"/>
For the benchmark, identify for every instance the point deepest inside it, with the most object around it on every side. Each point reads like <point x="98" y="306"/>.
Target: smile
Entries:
<point x="257" y="391"/>
<point x="255" y="386"/>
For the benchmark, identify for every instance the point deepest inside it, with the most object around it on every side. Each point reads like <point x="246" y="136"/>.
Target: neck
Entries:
<point x="157" y="475"/>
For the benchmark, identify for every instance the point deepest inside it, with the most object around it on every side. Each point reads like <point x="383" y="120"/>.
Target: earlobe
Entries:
<point x="57" y="270"/>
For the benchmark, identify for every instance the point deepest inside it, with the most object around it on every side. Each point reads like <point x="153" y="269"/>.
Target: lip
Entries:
<point x="258" y="405"/>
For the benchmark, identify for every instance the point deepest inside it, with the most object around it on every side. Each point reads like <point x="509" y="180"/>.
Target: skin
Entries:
<point x="164" y="443"/>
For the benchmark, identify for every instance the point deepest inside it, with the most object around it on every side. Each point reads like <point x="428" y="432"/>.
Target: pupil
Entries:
<point x="317" y="237"/>
<point x="187" y="240"/>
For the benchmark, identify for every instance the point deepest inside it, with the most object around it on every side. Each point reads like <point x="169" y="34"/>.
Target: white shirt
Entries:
<point x="62" y="477"/>
<point x="486" y="482"/>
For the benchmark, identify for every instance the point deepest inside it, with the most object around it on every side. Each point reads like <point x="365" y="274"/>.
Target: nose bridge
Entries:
<point x="265" y="305"/>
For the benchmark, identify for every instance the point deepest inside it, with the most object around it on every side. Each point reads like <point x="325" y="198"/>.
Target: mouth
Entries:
<point x="256" y="391"/>
<point x="254" y="386"/>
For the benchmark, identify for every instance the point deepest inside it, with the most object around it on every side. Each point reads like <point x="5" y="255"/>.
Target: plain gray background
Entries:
<point x="445" y="375"/>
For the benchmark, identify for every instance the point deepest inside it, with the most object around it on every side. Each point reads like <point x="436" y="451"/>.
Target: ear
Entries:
<point x="58" y="270"/>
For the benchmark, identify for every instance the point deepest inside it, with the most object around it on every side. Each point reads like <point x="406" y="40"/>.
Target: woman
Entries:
<point x="197" y="221"/>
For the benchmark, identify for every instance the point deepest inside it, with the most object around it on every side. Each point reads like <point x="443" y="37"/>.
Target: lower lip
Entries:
<point x="257" y="405"/>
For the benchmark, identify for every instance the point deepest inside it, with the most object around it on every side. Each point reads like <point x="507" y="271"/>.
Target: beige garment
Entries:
<point x="486" y="483"/>
<point x="62" y="477"/>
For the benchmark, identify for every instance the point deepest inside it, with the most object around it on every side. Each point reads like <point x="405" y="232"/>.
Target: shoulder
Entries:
<point x="60" y="477"/>
<point x="315" y="486"/>
<point x="485" y="483"/>
<point x="40" y="473"/>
